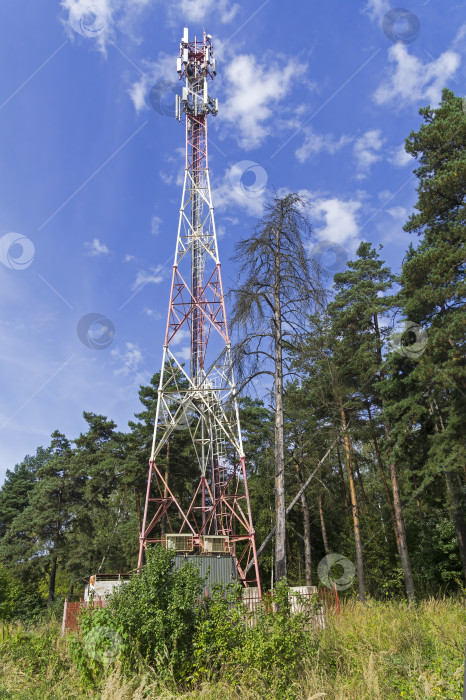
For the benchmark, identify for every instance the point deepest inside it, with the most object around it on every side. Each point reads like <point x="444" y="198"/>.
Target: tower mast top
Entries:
<point x="196" y="65"/>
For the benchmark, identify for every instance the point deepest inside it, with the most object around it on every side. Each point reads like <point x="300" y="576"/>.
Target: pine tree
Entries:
<point x="18" y="484"/>
<point x="356" y="313"/>
<point x="39" y="533"/>
<point x="331" y="386"/>
<point x="98" y="464"/>
<point x="433" y="294"/>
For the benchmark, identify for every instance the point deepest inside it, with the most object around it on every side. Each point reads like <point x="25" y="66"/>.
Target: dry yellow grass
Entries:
<point x="378" y="651"/>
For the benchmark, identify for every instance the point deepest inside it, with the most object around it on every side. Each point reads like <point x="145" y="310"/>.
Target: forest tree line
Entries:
<point x="370" y="370"/>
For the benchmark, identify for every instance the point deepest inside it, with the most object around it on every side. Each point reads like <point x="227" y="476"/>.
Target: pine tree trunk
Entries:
<point x="322" y="525"/>
<point x="355" y="509"/>
<point x="307" y="531"/>
<point x="456" y="512"/>
<point x="358" y="474"/>
<point x="280" y="504"/>
<point x="53" y="576"/>
<point x="138" y="509"/>
<point x="288" y="548"/>
<point x="418" y="502"/>
<point x="400" y="524"/>
<point x="384" y="481"/>
<point x="399" y="520"/>
<point x="387" y="496"/>
<point x="343" y="485"/>
<point x="458" y="519"/>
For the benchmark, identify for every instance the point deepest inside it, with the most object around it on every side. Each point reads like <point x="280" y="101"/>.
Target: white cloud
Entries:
<point x="226" y="197"/>
<point x="92" y="22"/>
<point x="367" y="151"/>
<point x="161" y="73"/>
<point x="137" y="93"/>
<point x="155" y="225"/>
<point x="167" y="177"/>
<point x="180" y="177"/>
<point x="130" y="360"/>
<point x="412" y="81"/>
<point x="399" y="157"/>
<point x="129" y="258"/>
<point x="398" y="213"/>
<point x="376" y="9"/>
<point x="222" y="229"/>
<point x="180" y="336"/>
<point x="153" y="313"/>
<point x="199" y="10"/>
<point x="97" y="248"/>
<point x="458" y="41"/>
<point x="153" y="276"/>
<point x="383" y="195"/>
<point x="316" y="143"/>
<point x="339" y="218"/>
<point x="183" y="353"/>
<point x="170" y="178"/>
<point x="253" y="91"/>
<point x="98" y="21"/>
<point x="178" y="161"/>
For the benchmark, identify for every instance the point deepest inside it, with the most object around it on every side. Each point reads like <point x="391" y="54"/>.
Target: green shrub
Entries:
<point x="100" y="642"/>
<point x="157" y="610"/>
<point x="278" y="646"/>
<point x="267" y="650"/>
<point x="19" y="599"/>
<point x="151" y="620"/>
<point x="220" y="633"/>
<point x="9" y="595"/>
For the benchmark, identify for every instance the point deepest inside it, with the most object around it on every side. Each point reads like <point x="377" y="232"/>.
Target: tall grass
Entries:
<point x="380" y="650"/>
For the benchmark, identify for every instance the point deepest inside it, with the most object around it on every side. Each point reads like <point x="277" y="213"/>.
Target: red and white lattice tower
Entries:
<point x="201" y="399"/>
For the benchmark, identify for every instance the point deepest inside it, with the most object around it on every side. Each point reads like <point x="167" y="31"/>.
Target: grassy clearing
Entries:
<point x="382" y="650"/>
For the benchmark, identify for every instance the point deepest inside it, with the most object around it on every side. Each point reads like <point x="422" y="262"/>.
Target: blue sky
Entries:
<point x="314" y="97"/>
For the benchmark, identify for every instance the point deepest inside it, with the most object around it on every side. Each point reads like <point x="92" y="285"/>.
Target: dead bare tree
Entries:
<point x="278" y="287"/>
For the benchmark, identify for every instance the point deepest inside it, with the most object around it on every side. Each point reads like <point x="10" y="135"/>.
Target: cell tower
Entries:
<point x="218" y="518"/>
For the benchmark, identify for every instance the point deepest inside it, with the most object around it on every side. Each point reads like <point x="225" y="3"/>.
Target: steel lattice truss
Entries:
<point x="202" y="399"/>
